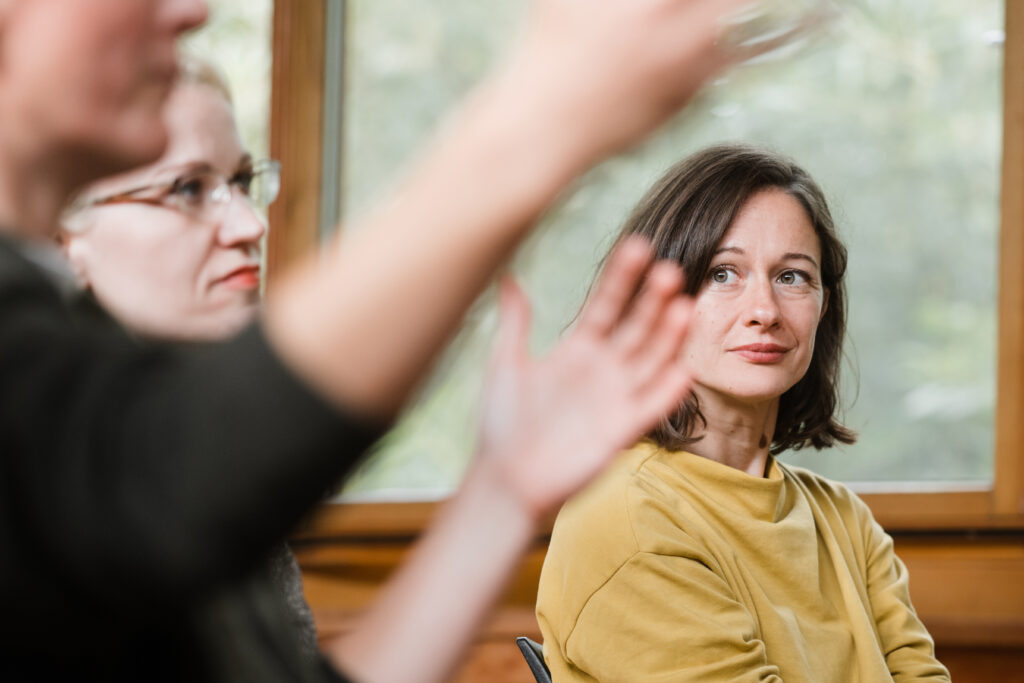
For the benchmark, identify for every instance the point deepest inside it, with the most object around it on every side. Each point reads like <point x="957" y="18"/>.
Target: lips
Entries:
<point x="761" y="353"/>
<point x="245" y="277"/>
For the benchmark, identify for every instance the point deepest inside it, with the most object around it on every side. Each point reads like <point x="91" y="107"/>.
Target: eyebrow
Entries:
<point x="198" y="166"/>
<point x="162" y="173"/>
<point x="788" y="256"/>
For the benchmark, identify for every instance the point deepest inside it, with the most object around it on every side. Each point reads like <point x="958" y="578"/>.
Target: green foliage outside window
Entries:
<point x="896" y="112"/>
<point x="237" y="39"/>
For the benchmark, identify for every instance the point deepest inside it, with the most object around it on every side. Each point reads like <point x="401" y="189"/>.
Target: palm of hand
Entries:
<point x="549" y="425"/>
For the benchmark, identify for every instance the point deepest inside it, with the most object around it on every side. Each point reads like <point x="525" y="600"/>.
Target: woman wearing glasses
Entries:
<point x="173" y="249"/>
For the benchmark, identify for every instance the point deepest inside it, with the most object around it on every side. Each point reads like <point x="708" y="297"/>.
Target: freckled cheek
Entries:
<point x="802" y="318"/>
<point x="705" y="339"/>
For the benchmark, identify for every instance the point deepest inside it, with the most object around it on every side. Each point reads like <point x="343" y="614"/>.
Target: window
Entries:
<point x="237" y="40"/>
<point x="897" y="114"/>
<point x="966" y="116"/>
<point x="966" y="535"/>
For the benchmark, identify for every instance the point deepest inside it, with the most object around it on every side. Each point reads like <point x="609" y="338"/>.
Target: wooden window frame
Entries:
<point x="966" y="536"/>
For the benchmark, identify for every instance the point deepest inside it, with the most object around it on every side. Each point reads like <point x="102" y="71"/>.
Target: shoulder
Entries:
<point x="633" y="508"/>
<point x="598" y="518"/>
<point x="828" y="494"/>
<point x="618" y="513"/>
<point x="600" y="533"/>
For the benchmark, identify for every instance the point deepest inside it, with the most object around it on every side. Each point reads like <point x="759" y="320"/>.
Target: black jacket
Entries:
<point x="141" y="486"/>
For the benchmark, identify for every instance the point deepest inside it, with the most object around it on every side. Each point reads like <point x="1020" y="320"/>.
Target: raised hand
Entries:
<point x="587" y="78"/>
<point x="613" y="70"/>
<point x="550" y="424"/>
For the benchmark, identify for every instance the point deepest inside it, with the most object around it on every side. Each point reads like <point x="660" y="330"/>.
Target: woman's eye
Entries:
<point x="243" y="181"/>
<point x="721" y="276"/>
<point x="191" y="190"/>
<point x="793" y="277"/>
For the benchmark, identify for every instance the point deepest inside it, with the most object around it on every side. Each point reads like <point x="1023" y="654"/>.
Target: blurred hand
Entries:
<point x="549" y="425"/>
<point x="613" y="70"/>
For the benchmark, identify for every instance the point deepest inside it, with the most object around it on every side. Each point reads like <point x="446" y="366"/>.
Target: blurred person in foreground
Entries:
<point x="699" y="556"/>
<point x="173" y="250"/>
<point x="140" y="481"/>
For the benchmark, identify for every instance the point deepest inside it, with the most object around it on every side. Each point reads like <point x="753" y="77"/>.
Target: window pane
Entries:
<point x="897" y="113"/>
<point x="237" y="39"/>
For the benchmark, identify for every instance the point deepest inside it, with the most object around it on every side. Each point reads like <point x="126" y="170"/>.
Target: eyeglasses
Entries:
<point x="203" y="193"/>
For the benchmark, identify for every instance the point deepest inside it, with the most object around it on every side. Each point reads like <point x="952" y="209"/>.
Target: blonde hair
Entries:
<point x="198" y="71"/>
<point x="192" y="70"/>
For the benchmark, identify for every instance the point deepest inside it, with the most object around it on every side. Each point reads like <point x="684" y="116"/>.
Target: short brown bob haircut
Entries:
<point x="686" y="215"/>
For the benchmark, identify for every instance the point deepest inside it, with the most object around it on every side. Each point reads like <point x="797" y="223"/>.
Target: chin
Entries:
<point x="752" y="392"/>
<point x="136" y="139"/>
<point x="108" y="157"/>
<point x="230" y="325"/>
<point x="755" y="396"/>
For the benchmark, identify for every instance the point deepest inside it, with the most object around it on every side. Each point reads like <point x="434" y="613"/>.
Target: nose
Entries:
<point x="240" y="224"/>
<point x="762" y="307"/>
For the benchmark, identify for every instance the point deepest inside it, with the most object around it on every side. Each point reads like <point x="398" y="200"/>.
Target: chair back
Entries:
<point x="533" y="653"/>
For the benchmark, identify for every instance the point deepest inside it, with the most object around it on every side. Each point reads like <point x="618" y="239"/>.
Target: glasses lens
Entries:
<point x="265" y="183"/>
<point x="196" y="193"/>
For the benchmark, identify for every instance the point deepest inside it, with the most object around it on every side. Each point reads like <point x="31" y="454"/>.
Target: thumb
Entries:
<point x="514" y="321"/>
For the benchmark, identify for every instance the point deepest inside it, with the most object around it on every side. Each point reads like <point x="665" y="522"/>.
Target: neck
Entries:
<point x="738" y="434"/>
<point x="37" y="178"/>
<point x="32" y="195"/>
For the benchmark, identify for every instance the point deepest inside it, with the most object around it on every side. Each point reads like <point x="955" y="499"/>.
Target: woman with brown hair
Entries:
<point x="700" y="557"/>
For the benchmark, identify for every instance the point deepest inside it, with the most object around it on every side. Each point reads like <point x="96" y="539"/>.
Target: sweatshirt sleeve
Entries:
<point x="664" y="618"/>
<point x="907" y="646"/>
<point x="132" y="478"/>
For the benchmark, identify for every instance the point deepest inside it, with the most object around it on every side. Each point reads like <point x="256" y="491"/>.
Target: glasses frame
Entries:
<point x="221" y="193"/>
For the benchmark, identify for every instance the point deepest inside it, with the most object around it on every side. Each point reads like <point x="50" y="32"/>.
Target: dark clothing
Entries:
<point x="286" y="574"/>
<point x="139" y="486"/>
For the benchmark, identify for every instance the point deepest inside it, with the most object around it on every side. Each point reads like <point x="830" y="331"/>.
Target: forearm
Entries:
<point x="441" y="585"/>
<point x="363" y="323"/>
<point x="584" y="81"/>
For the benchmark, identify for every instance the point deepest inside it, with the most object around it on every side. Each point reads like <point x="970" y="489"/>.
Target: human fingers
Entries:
<point x="704" y="23"/>
<point x="662" y="395"/>
<point x="513" y="321"/>
<point x="504" y="380"/>
<point x="615" y="286"/>
<point x="664" y="342"/>
<point x="760" y="28"/>
<point x="644" y="314"/>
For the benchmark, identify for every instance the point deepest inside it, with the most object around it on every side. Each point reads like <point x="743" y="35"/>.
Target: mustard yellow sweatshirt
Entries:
<point x="673" y="567"/>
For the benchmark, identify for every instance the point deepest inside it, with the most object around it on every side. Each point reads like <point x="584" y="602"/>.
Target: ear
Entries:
<point x="75" y="251"/>
<point x="824" y="306"/>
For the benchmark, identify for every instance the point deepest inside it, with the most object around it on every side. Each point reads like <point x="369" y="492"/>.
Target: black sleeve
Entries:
<point x="332" y="675"/>
<point x="138" y="476"/>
